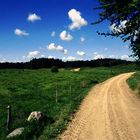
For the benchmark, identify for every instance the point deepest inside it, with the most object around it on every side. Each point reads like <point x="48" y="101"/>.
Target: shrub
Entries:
<point x="54" y="69"/>
<point x="93" y="82"/>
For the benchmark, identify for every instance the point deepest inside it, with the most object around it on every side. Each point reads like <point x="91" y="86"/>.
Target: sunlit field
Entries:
<point x="58" y="95"/>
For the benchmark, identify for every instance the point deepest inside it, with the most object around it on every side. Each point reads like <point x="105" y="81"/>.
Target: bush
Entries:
<point x="93" y="82"/>
<point x="54" y="69"/>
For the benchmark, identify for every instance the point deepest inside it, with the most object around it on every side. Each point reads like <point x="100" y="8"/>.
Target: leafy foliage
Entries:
<point x="54" y="69"/>
<point x="126" y="11"/>
<point x="135" y="46"/>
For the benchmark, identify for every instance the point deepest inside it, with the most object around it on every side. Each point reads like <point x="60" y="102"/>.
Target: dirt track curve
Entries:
<point x="109" y="112"/>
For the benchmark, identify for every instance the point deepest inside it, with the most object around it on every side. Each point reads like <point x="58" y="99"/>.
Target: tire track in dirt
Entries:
<point x="109" y="112"/>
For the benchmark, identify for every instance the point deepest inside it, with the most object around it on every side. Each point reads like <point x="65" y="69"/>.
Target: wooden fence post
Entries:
<point x="56" y="95"/>
<point x="70" y="92"/>
<point x="70" y="89"/>
<point x="9" y="117"/>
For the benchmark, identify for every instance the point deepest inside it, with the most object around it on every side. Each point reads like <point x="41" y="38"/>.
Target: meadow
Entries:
<point x="35" y="90"/>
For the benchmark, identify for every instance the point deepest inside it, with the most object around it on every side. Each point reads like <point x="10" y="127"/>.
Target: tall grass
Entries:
<point x="134" y="82"/>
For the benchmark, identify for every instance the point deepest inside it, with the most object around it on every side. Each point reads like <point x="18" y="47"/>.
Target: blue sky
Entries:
<point x="55" y="28"/>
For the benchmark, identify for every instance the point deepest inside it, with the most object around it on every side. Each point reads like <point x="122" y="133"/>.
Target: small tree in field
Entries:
<point x="54" y="69"/>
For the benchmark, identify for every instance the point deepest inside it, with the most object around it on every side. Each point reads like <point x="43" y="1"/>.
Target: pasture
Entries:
<point x="58" y="95"/>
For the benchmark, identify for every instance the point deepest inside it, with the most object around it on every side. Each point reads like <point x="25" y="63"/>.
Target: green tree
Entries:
<point x="136" y="47"/>
<point x="54" y="69"/>
<point x="124" y="17"/>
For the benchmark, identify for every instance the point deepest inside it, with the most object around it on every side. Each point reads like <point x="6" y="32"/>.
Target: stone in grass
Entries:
<point x="16" y="132"/>
<point x="36" y="115"/>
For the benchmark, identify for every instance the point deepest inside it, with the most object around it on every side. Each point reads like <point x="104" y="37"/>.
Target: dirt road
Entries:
<point x="109" y="112"/>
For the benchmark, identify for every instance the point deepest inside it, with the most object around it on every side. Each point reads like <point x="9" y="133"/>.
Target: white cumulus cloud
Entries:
<point x="77" y="20"/>
<point x="51" y="57"/>
<point x="33" y="17"/>
<point x="96" y="55"/>
<point x="71" y="58"/>
<point x="32" y="54"/>
<point x="65" y="51"/>
<point x="59" y="48"/>
<point x="65" y="36"/>
<point x="80" y="53"/>
<point x="125" y="57"/>
<point x="19" y="32"/>
<point x="53" y="47"/>
<point x="42" y="56"/>
<point x="115" y="29"/>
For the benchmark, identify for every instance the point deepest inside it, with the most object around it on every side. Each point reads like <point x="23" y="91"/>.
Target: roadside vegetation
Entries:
<point x="58" y="95"/>
<point x="134" y="82"/>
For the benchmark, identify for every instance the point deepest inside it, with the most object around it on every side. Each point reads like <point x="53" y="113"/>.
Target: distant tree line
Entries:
<point x="48" y="63"/>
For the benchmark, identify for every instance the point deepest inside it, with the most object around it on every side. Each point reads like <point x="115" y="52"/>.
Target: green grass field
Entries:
<point x="35" y="90"/>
